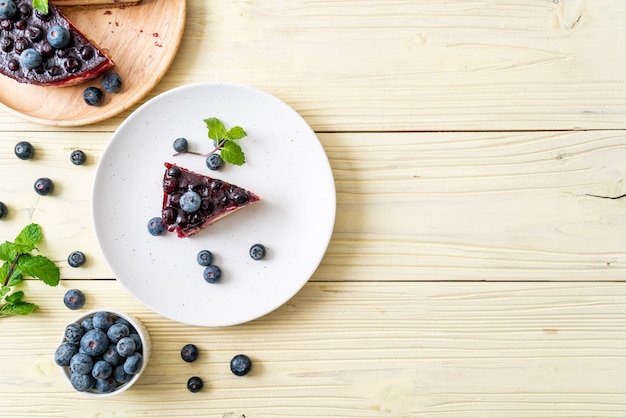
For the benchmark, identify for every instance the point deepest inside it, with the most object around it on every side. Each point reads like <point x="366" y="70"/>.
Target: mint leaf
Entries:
<point x="27" y="238"/>
<point x="236" y="132"/>
<point x="40" y="267"/>
<point x="41" y="5"/>
<point x="232" y="153"/>
<point x="16" y="276"/>
<point x="217" y="130"/>
<point x="7" y="251"/>
<point x="19" y="308"/>
<point x="14" y="297"/>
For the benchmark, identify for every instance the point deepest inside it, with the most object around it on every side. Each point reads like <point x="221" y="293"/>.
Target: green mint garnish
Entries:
<point x="19" y="263"/>
<point x="41" y="5"/>
<point x="225" y="142"/>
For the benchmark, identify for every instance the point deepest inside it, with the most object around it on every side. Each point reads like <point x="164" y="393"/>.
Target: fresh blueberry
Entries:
<point x="214" y="161"/>
<point x="204" y="257"/>
<point x="212" y="273"/>
<point x="74" y="332"/>
<point x="190" y="201"/>
<point x="181" y="144"/>
<point x="3" y="210"/>
<point x="81" y="363"/>
<point x="8" y="9"/>
<point x="195" y="384"/>
<point x="87" y="324"/>
<point x="64" y="353"/>
<point x="112" y="82"/>
<point x="82" y="382"/>
<point x="76" y="259"/>
<point x="24" y="150"/>
<point x="44" y="186"/>
<point x="78" y="157"/>
<point x="156" y="226"/>
<point x="189" y="353"/>
<point x="105" y="385"/>
<point x="112" y="356"/>
<point x="240" y="365"/>
<point x="117" y="331"/>
<point x="120" y="375"/>
<point x="101" y="369"/>
<point x="94" y="342"/>
<point x="135" y="337"/>
<point x="126" y="346"/>
<point x="133" y="363"/>
<point x="257" y="251"/>
<point x="74" y="299"/>
<point x="120" y="320"/>
<point x="102" y="320"/>
<point x="58" y="36"/>
<point x="93" y="96"/>
<point x="30" y="58"/>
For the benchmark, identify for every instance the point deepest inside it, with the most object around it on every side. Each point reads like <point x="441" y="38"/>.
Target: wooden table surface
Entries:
<point x="478" y="258"/>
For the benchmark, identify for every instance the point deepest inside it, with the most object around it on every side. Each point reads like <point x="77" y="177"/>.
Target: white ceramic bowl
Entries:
<point x="145" y="352"/>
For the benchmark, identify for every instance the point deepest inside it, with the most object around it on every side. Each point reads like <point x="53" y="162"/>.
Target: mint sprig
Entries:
<point x="20" y="263"/>
<point x="225" y="142"/>
<point x="41" y="5"/>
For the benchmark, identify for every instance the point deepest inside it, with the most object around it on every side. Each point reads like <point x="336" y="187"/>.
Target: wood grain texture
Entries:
<point x="353" y="350"/>
<point x="413" y="65"/>
<point x="410" y="206"/>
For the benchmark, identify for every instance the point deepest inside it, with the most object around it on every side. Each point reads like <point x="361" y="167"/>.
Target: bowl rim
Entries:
<point x="145" y="348"/>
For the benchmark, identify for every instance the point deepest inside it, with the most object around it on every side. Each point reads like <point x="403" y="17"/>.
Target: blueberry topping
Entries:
<point x="58" y="36"/>
<point x="214" y="161"/>
<point x="93" y="96"/>
<point x="257" y="251"/>
<point x="204" y="258"/>
<point x="240" y="365"/>
<point x="190" y="201"/>
<point x="22" y="44"/>
<point x="240" y="196"/>
<point x="212" y="274"/>
<point x="8" y="9"/>
<point x="44" y="186"/>
<point x="195" y="384"/>
<point x="86" y="52"/>
<point x="3" y="210"/>
<point x="180" y="144"/>
<point x="170" y="184"/>
<point x="6" y="44"/>
<point x="169" y="215"/>
<point x="77" y="157"/>
<point x="35" y="33"/>
<point x="112" y="82"/>
<point x="30" y="58"/>
<point x="76" y="259"/>
<point x="174" y="171"/>
<point x="71" y="64"/>
<point x="189" y="353"/>
<point x="74" y="299"/>
<point x="156" y="226"/>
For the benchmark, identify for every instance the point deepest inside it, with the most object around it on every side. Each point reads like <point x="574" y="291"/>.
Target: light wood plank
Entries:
<point x="413" y="65"/>
<point x="353" y="350"/>
<point x="411" y="206"/>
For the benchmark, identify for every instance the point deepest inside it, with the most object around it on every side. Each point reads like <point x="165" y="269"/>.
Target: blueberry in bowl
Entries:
<point x="107" y="357"/>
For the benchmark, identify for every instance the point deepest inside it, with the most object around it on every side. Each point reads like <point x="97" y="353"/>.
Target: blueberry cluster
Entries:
<point x="111" y="83"/>
<point x="102" y="352"/>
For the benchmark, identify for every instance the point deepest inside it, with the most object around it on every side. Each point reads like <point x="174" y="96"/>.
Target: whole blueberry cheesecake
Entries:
<point x="46" y="49"/>
<point x="193" y="201"/>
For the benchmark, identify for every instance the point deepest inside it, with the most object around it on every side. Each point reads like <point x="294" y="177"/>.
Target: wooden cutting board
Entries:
<point x="142" y="40"/>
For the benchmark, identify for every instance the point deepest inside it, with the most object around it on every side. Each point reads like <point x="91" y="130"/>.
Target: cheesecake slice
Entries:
<point x="46" y="50"/>
<point x="193" y="201"/>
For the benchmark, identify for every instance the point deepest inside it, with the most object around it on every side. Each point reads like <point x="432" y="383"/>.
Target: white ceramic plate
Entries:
<point x="286" y="166"/>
